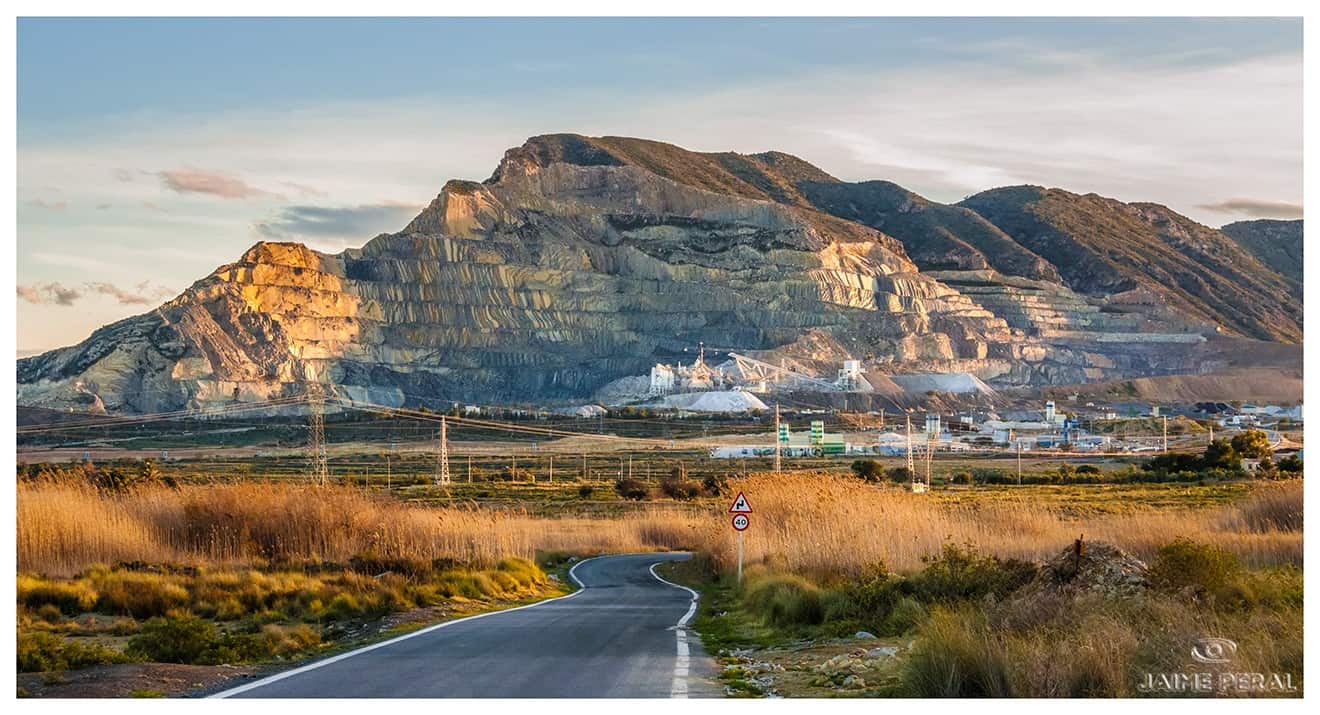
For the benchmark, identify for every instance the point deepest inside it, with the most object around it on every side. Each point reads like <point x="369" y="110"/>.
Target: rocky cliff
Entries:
<point x="582" y="260"/>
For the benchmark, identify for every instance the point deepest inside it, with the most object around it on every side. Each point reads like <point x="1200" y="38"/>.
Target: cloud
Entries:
<point x="1255" y="208"/>
<point x="143" y="293"/>
<point x="52" y="205"/>
<point x="55" y="293"/>
<point x="349" y="222"/>
<point x="49" y="294"/>
<point x="303" y="190"/>
<point x="214" y="183"/>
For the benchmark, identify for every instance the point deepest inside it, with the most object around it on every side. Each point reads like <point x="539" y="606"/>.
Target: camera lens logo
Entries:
<point x="1213" y="650"/>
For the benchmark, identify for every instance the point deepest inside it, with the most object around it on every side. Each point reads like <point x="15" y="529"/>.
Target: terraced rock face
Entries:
<point x="581" y="261"/>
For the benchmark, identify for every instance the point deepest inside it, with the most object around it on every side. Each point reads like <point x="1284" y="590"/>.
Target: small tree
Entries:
<point x="1252" y="444"/>
<point x="1220" y="453"/>
<point x="869" y="470"/>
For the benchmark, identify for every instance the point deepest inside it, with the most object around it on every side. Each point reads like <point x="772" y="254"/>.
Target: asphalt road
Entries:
<point x="618" y="637"/>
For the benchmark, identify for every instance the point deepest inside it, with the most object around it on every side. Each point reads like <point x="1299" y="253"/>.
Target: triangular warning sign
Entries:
<point x="740" y="505"/>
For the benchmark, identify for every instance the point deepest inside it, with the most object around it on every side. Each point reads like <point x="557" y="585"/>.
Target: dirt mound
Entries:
<point x="1089" y="567"/>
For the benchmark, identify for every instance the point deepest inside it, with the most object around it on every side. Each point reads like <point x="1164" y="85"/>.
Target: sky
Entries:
<point x="151" y="151"/>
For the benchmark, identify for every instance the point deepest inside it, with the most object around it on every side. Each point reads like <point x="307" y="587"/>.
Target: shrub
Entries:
<point x="1221" y="453"/>
<point x="784" y="600"/>
<point x="963" y="574"/>
<point x="1184" y="563"/>
<point x="900" y="475"/>
<point x="141" y="595"/>
<point x="869" y="470"/>
<point x="40" y="651"/>
<point x="1291" y="464"/>
<point x="631" y="489"/>
<point x="715" y="484"/>
<point x="681" y="489"/>
<point x="70" y="597"/>
<point x="173" y="640"/>
<point x="585" y="491"/>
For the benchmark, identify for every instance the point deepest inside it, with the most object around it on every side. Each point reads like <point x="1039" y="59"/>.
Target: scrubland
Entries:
<point x="249" y="571"/>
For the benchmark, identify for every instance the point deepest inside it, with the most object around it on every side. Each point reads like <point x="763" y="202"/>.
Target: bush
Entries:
<point x="869" y="470"/>
<point x="141" y="595"/>
<point x="1186" y="564"/>
<point x="959" y="574"/>
<point x="40" y="652"/>
<point x="900" y="475"/>
<point x="585" y="491"/>
<point x="631" y="489"/>
<point x="784" y="600"/>
<point x="1292" y="464"/>
<point x="681" y="489"/>
<point x="715" y="484"/>
<point x="173" y="640"/>
<point x="1221" y="453"/>
<point x="71" y="598"/>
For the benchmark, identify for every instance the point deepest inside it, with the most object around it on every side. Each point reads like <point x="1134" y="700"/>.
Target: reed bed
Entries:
<point x="65" y="528"/>
<point x="824" y="525"/>
<point x="818" y="525"/>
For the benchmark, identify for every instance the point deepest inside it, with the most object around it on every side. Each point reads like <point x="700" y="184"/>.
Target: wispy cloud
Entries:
<point x="53" y="293"/>
<point x="143" y="293"/>
<point x="50" y="205"/>
<point x="56" y="293"/>
<point x="1255" y="208"/>
<point x="214" y="183"/>
<point x="351" y="222"/>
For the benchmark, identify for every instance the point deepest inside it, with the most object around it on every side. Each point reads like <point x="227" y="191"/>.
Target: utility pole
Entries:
<point x="552" y="469"/>
<point x="912" y="472"/>
<point x="1165" y="420"/>
<point x="320" y="469"/>
<point x="930" y="453"/>
<point x="584" y="467"/>
<point x="387" y="471"/>
<point x="469" y="469"/>
<point x="778" y="460"/>
<point x="1019" y="452"/>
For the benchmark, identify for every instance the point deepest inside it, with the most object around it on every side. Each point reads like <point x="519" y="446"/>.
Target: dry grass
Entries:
<point x="823" y="525"/>
<point x="63" y="529"/>
<point x="818" y="525"/>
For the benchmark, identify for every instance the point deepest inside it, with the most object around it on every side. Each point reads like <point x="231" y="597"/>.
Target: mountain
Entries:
<point x="1133" y="252"/>
<point x="584" y="260"/>
<point x="1277" y="244"/>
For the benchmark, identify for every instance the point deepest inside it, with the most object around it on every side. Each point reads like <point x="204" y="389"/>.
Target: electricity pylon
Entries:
<point x="320" y="469"/>
<point x="442" y="460"/>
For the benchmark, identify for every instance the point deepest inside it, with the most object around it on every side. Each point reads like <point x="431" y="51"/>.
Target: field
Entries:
<point x="250" y="563"/>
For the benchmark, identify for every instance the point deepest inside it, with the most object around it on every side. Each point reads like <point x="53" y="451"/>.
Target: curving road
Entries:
<point x="623" y="635"/>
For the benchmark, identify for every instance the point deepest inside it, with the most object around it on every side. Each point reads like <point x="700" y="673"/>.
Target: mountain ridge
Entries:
<point x="581" y="260"/>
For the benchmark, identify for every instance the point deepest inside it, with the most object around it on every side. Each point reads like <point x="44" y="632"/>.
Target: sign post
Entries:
<point x="740" y="509"/>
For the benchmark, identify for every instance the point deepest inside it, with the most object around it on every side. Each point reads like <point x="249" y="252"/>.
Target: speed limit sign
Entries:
<point x="741" y="522"/>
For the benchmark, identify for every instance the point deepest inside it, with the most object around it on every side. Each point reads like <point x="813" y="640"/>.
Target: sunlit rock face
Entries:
<point x="579" y="262"/>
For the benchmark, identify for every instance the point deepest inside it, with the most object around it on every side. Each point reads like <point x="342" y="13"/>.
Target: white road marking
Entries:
<point x="683" y="662"/>
<point x="572" y="573"/>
